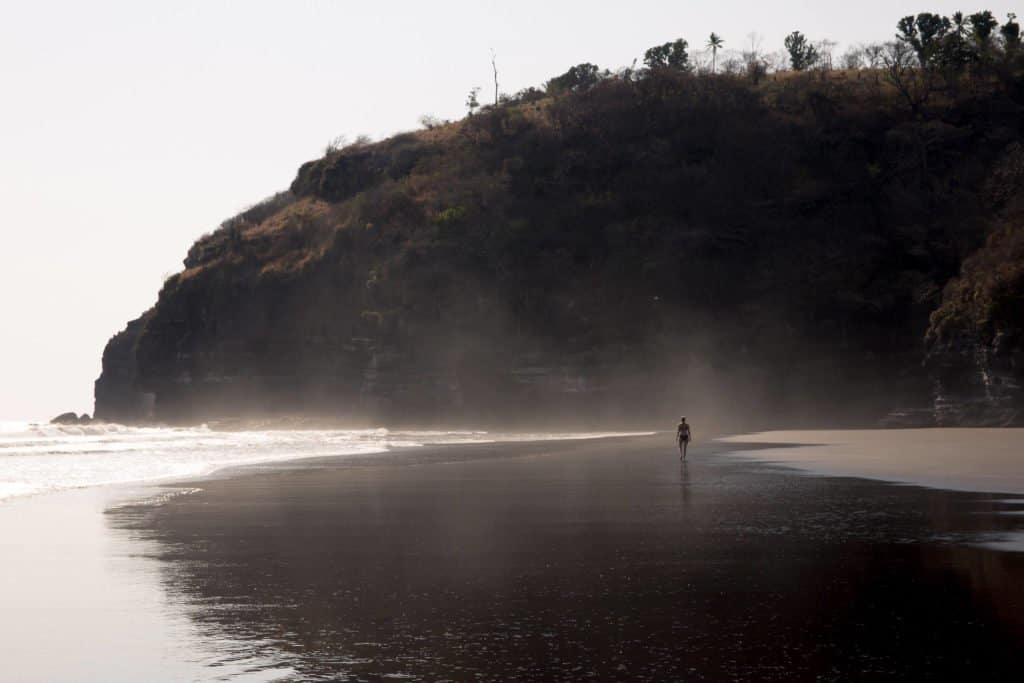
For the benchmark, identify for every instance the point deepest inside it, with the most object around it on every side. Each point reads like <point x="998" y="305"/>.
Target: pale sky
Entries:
<point x="129" y="128"/>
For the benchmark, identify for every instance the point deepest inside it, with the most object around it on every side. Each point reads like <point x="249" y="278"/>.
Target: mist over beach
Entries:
<point x="355" y="342"/>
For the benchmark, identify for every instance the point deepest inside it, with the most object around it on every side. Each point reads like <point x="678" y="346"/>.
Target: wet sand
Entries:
<point x="595" y="560"/>
<point x="77" y="603"/>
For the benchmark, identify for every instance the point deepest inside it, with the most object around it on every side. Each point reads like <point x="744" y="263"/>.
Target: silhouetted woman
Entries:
<point x="683" y="437"/>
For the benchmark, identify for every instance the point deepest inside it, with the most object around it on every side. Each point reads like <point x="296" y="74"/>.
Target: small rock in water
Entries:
<point x="71" y="419"/>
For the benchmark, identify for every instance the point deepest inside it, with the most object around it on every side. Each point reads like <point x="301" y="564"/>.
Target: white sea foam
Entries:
<point x="38" y="458"/>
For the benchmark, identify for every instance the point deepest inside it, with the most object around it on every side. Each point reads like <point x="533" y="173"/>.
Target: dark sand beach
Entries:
<point x="585" y="560"/>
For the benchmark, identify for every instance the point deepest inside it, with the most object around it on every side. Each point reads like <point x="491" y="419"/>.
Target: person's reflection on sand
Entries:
<point x="684" y="483"/>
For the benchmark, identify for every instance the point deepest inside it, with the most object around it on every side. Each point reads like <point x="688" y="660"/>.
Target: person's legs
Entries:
<point x="686" y="442"/>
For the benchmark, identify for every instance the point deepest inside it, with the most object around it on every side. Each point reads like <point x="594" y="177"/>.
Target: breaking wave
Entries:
<point x="38" y="458"/>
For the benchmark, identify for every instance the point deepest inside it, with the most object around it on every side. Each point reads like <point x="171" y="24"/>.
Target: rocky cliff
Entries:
<point x="761" y="254"/>
<point x="976" y="337"/>
<point x="119" y="398"/>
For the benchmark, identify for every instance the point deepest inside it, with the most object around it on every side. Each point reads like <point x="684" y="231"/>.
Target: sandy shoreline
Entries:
<point x="985" y="460"/>
<point x="602" y="560"/>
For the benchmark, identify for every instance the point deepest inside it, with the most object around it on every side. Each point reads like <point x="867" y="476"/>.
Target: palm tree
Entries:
<point x="714" y="42"/>
<point x="959" y="39"/>
<point x="960" y="25"/>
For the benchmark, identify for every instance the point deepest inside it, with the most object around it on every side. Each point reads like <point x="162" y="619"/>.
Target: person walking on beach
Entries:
<point x="683" y="437"/>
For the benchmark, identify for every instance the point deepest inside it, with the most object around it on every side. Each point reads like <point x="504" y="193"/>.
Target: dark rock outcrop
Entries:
<point x="118" y="396"/>
<point x="978" y="385"/>
<point x="344" y="173"/>
<point x="71" y="419"/>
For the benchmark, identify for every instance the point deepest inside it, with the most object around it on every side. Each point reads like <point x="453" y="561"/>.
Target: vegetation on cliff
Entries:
<point x="616" y="241"/>
<point x="985" y="303"/>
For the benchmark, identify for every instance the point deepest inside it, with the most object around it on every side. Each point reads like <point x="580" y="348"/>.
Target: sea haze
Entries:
<point x="38" y="458"/>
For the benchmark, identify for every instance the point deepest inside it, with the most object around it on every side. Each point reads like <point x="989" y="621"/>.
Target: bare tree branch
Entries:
<point x="494" y="65"/>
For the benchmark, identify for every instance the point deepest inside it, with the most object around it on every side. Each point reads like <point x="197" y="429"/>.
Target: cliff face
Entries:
<point x="119" y="398"/>
<point x="758" y="254"/>
<point x="976" y="337"/>
<point x="977" y="384"/>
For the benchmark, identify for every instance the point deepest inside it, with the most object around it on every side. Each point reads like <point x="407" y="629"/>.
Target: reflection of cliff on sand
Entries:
<point x="600" y="555"/>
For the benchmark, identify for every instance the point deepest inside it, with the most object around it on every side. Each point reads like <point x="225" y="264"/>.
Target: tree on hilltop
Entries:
<point x="714" y="42"/>
<point x="914" y="84"/>
<point x="983" y="27"/>
<point x="472" y="100"/>
<point x="956" y="53"/>
<point x="1011" y="33"/>
<point x="668" y="56"/>
<point x="577" y="78"/>
<point x="802" y="55"/>
<point x="925" y="34"/>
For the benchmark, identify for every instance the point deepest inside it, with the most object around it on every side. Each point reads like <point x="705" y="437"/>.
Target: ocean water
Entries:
<point x="40" y="458"/>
